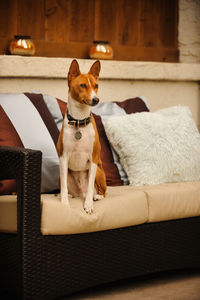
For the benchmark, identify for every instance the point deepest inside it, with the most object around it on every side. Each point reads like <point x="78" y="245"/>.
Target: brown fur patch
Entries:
<point x="100" y="180"/>
<point x="59" y="145"/>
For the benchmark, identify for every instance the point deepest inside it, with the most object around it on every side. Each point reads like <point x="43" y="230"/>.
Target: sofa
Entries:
<point x="148" y="222"/>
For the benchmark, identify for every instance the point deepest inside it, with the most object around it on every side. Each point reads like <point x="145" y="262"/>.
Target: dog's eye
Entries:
<point x="96" y="86"/>
<point x="83" y="85"/>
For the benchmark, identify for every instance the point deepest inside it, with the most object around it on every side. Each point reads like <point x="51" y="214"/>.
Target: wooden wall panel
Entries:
<point x="169" y="21"/>
<point x="129" y="19"/>
<point x="57" y="20"/>
<point x="136" y="29"/>
<point x="159" y="23"/>
<point x="106" y="20"/>
<point x="150" y="26"/>
<point x="81" y="20"/>
<point x="8" y="18"/>
<point x="31" y="18"/>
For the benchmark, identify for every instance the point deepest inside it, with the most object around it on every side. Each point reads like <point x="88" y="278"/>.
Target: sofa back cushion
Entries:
<point x="158" y="147"/>
<point x="33" y="120"/>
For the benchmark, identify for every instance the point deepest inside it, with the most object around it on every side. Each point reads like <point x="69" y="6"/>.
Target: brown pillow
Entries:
<point x="133" y="105"/>
<point x="112" y="174"/>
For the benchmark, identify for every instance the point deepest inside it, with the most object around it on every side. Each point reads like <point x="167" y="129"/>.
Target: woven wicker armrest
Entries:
<point x="24" y="165"/>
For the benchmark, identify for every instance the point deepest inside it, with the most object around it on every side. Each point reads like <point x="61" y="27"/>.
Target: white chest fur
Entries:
<point x="79" y="152"/>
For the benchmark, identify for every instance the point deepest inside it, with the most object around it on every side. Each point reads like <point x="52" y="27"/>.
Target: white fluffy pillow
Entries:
<point x="158" y="147"/>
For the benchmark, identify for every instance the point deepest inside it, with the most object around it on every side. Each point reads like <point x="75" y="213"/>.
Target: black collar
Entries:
<point x="78" y="123"/>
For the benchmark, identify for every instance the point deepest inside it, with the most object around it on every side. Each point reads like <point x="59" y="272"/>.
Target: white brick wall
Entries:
<point x="189" y="31"/>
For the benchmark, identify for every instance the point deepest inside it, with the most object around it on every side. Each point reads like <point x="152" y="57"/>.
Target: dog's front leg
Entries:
<point x="63" y="179"/>
<point x="88" y="205"/>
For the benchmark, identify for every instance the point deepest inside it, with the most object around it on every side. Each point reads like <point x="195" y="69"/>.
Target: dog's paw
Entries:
<point x="98" y="197"/>
<point x="88" y="207"/>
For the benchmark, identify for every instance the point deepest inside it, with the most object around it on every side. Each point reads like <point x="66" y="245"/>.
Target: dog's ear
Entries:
<point x="74" y="70"/>
<point x="95" y="69"/>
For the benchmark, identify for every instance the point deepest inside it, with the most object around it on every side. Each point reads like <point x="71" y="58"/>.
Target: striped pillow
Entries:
<point x="25" y="121"/>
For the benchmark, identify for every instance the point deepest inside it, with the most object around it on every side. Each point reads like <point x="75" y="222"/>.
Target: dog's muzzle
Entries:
<point x="95" y="101"/>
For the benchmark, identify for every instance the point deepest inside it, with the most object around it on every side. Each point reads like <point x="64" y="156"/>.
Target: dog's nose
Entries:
<point x="95" y="101"/>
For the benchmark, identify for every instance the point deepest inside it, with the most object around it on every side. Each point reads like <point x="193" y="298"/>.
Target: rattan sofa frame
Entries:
<point x="34" y="266"/>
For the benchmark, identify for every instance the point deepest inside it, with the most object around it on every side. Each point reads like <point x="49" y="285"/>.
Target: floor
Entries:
<point x="168" y="286"/>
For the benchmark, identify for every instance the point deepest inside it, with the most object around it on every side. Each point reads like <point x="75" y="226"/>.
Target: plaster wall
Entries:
<point x="189" y="31"/>
<point x="163" y="84"/>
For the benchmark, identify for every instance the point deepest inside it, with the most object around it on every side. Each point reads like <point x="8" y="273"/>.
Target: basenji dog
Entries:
<point x="81" y="171"/>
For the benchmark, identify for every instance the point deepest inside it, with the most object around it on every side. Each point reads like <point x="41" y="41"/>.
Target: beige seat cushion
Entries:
<point x="123" y="206"/>
<point x="8" y="214"/>
<point x="173" y="201"/>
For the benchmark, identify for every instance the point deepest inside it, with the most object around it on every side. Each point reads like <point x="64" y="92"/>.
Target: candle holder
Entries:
<point x="101" y="50"/>
<point x="22" y="45"/>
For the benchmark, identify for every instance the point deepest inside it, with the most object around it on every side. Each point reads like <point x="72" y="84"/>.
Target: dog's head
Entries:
<point x="83" y="87"/>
